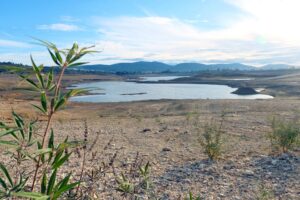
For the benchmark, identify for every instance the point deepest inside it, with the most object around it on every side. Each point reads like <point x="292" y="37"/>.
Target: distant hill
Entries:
<point x="12" y="67"/>
<point x="277" y="66"/>
<point x="158" y="67"/>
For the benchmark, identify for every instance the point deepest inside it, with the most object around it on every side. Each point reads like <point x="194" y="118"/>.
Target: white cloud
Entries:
<point x="12" y="43"/>
<point x="59" y="27"/>
<point x="274" y="20"/>
<point x="267" y="31"/>
<point x="40" y="57"/>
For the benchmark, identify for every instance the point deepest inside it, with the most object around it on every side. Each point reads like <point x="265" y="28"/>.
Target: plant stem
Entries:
<point x="43" y="143"/>
<point x="48" y="124"/>
<point x="82" y="169"/>
<point x="60" y="79"/>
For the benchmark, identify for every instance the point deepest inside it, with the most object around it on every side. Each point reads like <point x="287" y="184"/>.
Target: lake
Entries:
<point x="120" y="91"/>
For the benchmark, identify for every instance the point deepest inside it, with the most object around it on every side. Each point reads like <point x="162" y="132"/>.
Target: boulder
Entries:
<point x="245" y="91"/>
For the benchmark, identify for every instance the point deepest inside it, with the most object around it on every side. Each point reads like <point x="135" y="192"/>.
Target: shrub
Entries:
<point x="41" y="152"/>
<point x="284" y="135"/>
<point x="211" y="139"/>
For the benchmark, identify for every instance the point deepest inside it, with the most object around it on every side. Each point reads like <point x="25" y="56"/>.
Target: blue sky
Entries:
<point x="209" y="31"/>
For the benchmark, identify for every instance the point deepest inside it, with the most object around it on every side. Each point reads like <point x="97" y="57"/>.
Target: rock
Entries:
<point x="248" y="173"/>
<point x="146" y="130"/>
<point x="245" y="91"/>
<point x="166" y="149"/>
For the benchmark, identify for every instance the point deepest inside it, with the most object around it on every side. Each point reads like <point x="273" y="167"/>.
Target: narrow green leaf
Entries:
<point x="44" y="101"/>
<point x="39" y="108"/>
<point x="42" y="151"/>
<point x="63" y="182"/>
<point x="71" y="53"/>
<point x="3" y="184"/>
<point x="65" y="189"/>
<point x="58" y="155"/>
<point x="31" y="82"/>
<point x="30" y="131"/>
<point x="53" y="57"/>
<point x="37" y="71"/>
<point x="60" y="162"/>
<point x="74" y="92"/>
<point x="20" y="185"/>
<point x="51" y="145"/>
<point x="33" y="63"/>
<point x="8" y="132"/>
<point x="20" y="123"/>
<point x="31" y="195"/>
<point x="77" y="64"/>
<point x="5" y="172"/>
<point x="44" y="183"/>
<point x="58" y="56"/>
<point x="61" y="102"/>
<point x="52" y="87"/>
<point x="51" y="182"/>
<point x="50" y="79"/>
<point x="51" y="140"/>
<point x="9" y="143"/>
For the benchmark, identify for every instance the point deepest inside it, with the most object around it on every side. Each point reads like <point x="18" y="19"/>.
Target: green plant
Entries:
<point x="264" y="193"/>
<point x="211" y="139"/>
<point x="41" y="150"/>
<point x="124" y="185"/>
<point x="14" y="188"/>
<point x="190" y="115"/>
<point x="284" y="135"/>
<point x="145" y="174"/>
<point x="192" y="197"/>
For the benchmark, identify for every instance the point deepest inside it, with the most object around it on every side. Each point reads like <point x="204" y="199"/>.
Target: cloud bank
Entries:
<point x="266" y="32"/>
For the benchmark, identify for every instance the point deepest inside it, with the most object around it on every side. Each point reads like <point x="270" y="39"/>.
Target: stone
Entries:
<point x="146" y="130"/>
<point x="166" y="149"/>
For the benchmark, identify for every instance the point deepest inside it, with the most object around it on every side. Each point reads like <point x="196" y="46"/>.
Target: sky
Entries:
<point x="255" y="32"/>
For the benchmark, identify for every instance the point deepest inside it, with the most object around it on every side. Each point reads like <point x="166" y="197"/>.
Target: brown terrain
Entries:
<point x="166" y="134"/>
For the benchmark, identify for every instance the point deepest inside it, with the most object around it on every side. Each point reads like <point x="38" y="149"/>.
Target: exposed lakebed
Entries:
<point x="121" y="91"/>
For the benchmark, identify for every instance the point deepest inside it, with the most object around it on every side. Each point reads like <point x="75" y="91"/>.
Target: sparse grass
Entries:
<point x="284" y="135"/>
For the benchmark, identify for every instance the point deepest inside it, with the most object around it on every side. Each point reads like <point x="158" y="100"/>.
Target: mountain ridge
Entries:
<point x="160" y="67"/>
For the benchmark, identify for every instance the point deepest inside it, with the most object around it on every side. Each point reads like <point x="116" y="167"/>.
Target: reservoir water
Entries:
<point x="120" y="91"/>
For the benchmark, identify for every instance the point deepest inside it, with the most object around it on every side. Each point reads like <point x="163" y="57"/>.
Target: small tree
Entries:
<point x="284" y="135"/>
<point x="41" y="151"/>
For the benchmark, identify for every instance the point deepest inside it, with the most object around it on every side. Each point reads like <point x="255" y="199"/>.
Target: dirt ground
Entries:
<point x="166" y="134"/>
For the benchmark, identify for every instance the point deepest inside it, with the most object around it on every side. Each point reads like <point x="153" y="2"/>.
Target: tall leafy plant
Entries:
<point x="47" y="155"/>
